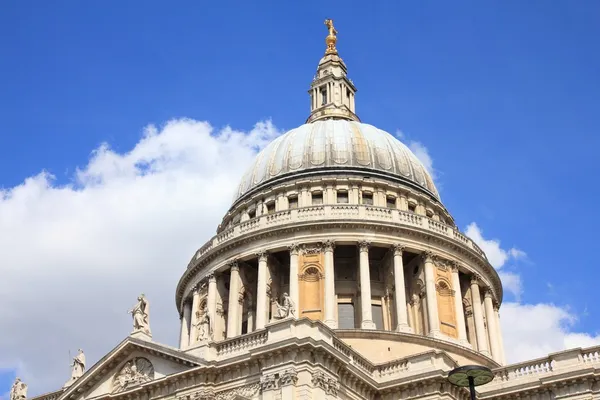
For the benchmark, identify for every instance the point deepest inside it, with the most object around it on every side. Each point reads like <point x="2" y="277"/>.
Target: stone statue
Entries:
<point x="135" y="372"/>
<point x="204" y="325"/>
<point x="141" y="315"/>
<point x="77" y="367"/>
<point x="287" y="307"/>
<point x="18" y="391"/>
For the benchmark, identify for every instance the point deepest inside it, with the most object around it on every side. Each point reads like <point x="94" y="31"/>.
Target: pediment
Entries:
<point x="131" y="364"/>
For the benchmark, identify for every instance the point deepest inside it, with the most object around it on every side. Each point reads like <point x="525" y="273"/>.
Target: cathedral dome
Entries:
<point x="336" y="145"/>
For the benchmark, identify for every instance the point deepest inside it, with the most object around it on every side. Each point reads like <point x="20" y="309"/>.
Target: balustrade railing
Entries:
<point x="325" y="212"/>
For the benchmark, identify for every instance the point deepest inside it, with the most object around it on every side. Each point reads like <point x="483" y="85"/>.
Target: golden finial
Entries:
<point x="331" y="39"/>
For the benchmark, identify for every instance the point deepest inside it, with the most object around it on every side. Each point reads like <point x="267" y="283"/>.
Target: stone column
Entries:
<point x="492" y="326"/>
<point x="294" y="289"/>
<point x="330" y="320"/>
<point x="400" y="293"/>
<point x="234" y="290"/>
<point x="482" y="345"/>
<point x="261" y="291"/>
<point x="365" y="287"/>
<point x="458" y="307"/>
<point x="499" y="329"/>
<point x="184" y="339"/>
<point x="212" y="301"/>
<point x="431" y="293"/>
<point x="195" y="308"/>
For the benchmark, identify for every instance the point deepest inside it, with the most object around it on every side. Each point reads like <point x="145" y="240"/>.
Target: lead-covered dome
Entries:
<point x="326" y="146"/>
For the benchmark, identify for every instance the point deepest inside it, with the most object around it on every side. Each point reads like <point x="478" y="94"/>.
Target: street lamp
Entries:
<point x="470" y="376"/>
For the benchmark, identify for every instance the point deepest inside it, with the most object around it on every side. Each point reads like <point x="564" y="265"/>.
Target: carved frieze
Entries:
<point x="288" y="377"/>
<point x="268" y="382"/>
<point x="312" y="249"/>
<point x="136" y="371"/>
<point x="243" y="391"/>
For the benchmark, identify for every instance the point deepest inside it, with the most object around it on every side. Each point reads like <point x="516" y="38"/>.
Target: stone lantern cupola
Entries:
<point x="332" y="93"/>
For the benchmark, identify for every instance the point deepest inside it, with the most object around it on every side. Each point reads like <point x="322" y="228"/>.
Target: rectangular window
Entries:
<point x="324" y="96"/>
<point x="367" y="198"/>
<point x="342" y="197"/>
<point x="244" y="327"/>
<point x="377" y="312"/>
<point x="391" y="202"/>
<point x="293" y="202"/>
<point x="346" y="316"/>
<point x="251" y="214"/>
<point x="412" y="207"/>
<point x="270" y="208"/>
<point x="317" y="198"/>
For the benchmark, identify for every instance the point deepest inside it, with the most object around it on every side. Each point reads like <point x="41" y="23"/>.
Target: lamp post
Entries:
<point x="470" y="376"/>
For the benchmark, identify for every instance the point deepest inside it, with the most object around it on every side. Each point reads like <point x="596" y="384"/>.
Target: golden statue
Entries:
<point x="331" y="39"/>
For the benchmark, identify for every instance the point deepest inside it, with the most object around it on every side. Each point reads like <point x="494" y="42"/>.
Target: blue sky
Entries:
<point x="502" y="94"/>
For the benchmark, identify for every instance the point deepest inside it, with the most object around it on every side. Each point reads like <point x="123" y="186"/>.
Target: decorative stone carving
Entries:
<point x="77" y="368"/>
<point x="135" y="372"/>
<point x="328" y="245"/>
<point x="234" y="266"/>
<point x="285" y="309"/>
<point x="488" y="294"/>
<point x="262" y="256"/>
<point x="294" y="249"/>
<point x="204" y="394"/>
<point x="312" y="249"/>
<point x="427" y="256"/>
<point x="329" y="385"/>
<point x="363" y="246"/>
<point x="268" y="382"/>
<point x="454" y="266"/>
<point x="18" y="391"/>
<point x="204" y="325"/>
<point x="244" y="391"/>
<point x="141" y="315"/>
<point x="398" y="249"/>
<point x="475" y="279"/>
<point x="288" y="377"/>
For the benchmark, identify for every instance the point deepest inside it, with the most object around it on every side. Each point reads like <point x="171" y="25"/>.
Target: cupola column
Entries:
<point x="365" y="287"/>
<point x="294" y="290"/>
<point x="458" y="306"/>
<point x="232" y="312"/>
<point x="261" y="291"/>
<point x="212" y="300"/>
<point x="499" y="329"/>
<point x="482" y="345"/>
<point x="400" y="291"/>
<point x="430" y="292"/>
<point x="330" y="320"/>
<point x="195" y="309"/>
<point x="184" y="338"/>
<point x="492" y="326"/>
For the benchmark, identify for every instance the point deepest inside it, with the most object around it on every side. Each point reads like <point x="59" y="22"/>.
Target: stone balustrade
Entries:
<point x="337" y="212"/>
<point x="534" y="370"/>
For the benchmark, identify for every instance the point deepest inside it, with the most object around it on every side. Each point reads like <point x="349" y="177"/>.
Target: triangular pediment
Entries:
<point x="132" y="363"/>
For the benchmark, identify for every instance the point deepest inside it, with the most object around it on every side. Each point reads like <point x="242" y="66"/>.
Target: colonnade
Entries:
<point x="486" y="339"/>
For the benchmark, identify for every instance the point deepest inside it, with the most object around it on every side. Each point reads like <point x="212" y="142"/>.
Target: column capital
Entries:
<point x="363" y="245"/>
<point x="475" y="279"/>
<point x="428" y="256"/>
<point x="454" y="266"/>
<point x="398" y="249"/>
<point x="294" y="249"/>
<point x="328" y="245"/>
<point x="488" y="293"/>
<point x="211" y="277"/>
<point x="262" y="255"/>
<point x="496" y="305"/>
<point x="288" y="377"/>
<point x="234" y="266"/>
<point x="196" y="288"/>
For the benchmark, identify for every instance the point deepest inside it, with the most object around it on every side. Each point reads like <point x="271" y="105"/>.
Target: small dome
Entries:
<point x="340" y="146"/>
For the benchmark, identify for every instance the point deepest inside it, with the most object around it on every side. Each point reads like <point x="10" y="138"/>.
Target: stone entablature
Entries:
<point x="381" y="194"/>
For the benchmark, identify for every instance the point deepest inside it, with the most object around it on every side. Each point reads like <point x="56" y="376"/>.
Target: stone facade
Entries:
<point x="346" y="281"/>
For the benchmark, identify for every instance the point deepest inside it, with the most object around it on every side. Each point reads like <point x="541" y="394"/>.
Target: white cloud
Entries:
<point x="511" y="283"/>
<point x="497" y="256"/>
<point x="73" y="258"/>
<point x="421" y="152"/>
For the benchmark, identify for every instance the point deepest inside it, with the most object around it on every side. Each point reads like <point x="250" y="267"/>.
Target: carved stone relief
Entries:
<point x="135" y="372"/>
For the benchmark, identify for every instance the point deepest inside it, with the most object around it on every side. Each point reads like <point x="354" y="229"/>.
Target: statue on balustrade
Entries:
<point x="77" y="367"/>
<point x="204" y="325"/>
<point x="141" y="315"/>
<point x="286" y="308"/>
<point x="18" y="391"/>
